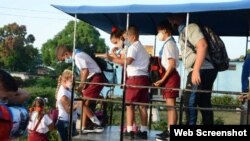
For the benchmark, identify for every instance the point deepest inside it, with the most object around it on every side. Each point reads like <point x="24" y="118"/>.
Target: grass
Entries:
<point x="228" y="118"/>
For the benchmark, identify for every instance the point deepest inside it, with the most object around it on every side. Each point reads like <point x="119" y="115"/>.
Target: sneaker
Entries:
<point x="93" y="128"/>
<point x="129" y="135"/>
<point x="163" y="137"/>
<point x="98" y="128"/>
<point x="75" y="133"/>
<point x="166" y="133"/>
<point x="142" y="135"/>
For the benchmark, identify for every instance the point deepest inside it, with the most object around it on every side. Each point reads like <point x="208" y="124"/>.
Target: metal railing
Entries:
<point x="180" y="106"/>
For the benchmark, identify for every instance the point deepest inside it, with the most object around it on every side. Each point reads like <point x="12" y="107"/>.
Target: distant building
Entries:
<point x="44" y="70"/>
<point x="149" y="49"/>
<point x="22" y="75"/>
<point x="39" y="71"/>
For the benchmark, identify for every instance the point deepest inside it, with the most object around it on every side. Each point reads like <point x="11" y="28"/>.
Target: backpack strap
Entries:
<point x="191" y="46"/>
<point x="39" y="120"/>
<point x="161" y="51"/>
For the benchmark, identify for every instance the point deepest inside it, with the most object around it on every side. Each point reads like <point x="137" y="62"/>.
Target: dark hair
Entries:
<point x="39" y="102"/>
<point x="61" y="50"/>
<point x="134" y="30"/>
<point x="7" y="82"/>
<point x="165" y="25"/>
<point x="116" y="32"/>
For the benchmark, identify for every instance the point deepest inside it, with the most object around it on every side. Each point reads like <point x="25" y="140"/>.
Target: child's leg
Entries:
<point x="172" y="113"/>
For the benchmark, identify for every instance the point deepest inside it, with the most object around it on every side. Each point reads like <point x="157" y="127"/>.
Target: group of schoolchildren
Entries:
<point x="137" y="61"/>
<point x="127" y="44"/>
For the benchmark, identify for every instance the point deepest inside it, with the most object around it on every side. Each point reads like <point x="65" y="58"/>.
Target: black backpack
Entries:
<point x="216" y="49"/>
<point x="156" y="70"/>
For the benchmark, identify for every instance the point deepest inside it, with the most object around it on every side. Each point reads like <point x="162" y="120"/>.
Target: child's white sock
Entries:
<point x="129" y="128"/>
<point x="144" y="128"/>
<point x="95" y="120"/>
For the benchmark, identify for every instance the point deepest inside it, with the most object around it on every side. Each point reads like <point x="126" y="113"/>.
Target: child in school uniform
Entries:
<point x="40" y="123"/>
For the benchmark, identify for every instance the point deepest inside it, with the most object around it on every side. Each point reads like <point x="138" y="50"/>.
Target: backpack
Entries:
<point x="156" y="70"/>
<point x="53" y="114"/>
<point x="5" y="122"/>
<point x="99" y="61"/>
<point x="216" y="49"/>
<point x="104" y="68"/>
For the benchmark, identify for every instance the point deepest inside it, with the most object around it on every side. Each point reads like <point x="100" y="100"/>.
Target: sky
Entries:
<point x="44" y="21"/>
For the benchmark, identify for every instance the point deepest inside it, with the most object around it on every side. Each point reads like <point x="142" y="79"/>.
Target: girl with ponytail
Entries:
<point x="40" y="123"/>
<point x="117" y="38"/>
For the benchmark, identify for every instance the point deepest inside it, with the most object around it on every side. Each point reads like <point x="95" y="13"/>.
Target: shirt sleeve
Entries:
<point x="170" y="50"/>
<point x="31" y="121"/>
<point x="47" y="120"/>
<point x="131" y="52"/>
<point x="194" y="34"/>
<point x="80" y="62"/>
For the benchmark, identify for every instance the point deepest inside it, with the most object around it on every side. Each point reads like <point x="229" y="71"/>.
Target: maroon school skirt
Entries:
<point x="36" y="136"/>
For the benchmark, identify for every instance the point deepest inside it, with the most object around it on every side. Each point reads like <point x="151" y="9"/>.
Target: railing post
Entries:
<point x="150" y="109"/>
<point x="181" y="108"/>
<point x="248" y="103"/>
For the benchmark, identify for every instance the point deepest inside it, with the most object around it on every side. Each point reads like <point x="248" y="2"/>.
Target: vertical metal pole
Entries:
<point x="248" y="104"/>
<point x="151" y="92"/>
<point x="154" y="47"/>
<point x="246" y="46"/>
<point x="72" y="90"/>
<point x="124" y="85"/>
<point x="183" y="71"/>
<point x="181" y="109"/>
<point x="150" y="110"/>
<point x="112" y="92"/>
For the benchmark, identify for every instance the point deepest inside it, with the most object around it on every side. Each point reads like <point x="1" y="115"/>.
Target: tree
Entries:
<point x="248" y="51"/>
<point x="87" y="39"/>
<point x="16" y="50"/>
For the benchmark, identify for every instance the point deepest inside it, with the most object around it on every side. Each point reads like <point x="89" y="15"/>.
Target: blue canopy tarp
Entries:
<point x="226" y="18"/>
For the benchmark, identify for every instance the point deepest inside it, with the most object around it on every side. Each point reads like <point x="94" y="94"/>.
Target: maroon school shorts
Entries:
<point x="173" y="81"/>
<point x="137" y="94"/>
<point x="94" y="90"/>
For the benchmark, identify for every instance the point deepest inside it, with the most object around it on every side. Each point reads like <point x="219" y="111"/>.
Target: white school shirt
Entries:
<point x="43" y="125"/>
<point x="83" y="61"/>
<point x="141" y="60"/>
<point x="62" y="114"/>
<point x="170" y="50"/>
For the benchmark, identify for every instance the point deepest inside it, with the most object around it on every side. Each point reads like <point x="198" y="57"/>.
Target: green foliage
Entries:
<point x="41" y="87"/>
<point x="225" y="100"/>
<point x="242" y="57"/>
<point x="43" y="92"/>
<point x="37" y="82"/>
<point x="46" y="82"/>
<point x="219" y="121"/>
<point x="53" y="136"/>
<point x="161" y="125"/>
<point x="87" y="39"/>
<point x="16" y="50"/>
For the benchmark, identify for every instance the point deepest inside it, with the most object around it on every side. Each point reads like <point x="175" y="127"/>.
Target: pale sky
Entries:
<point x="44" y="21"/>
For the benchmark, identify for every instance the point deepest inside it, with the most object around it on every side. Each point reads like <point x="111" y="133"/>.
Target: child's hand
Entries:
<point x="80" y="88"/>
